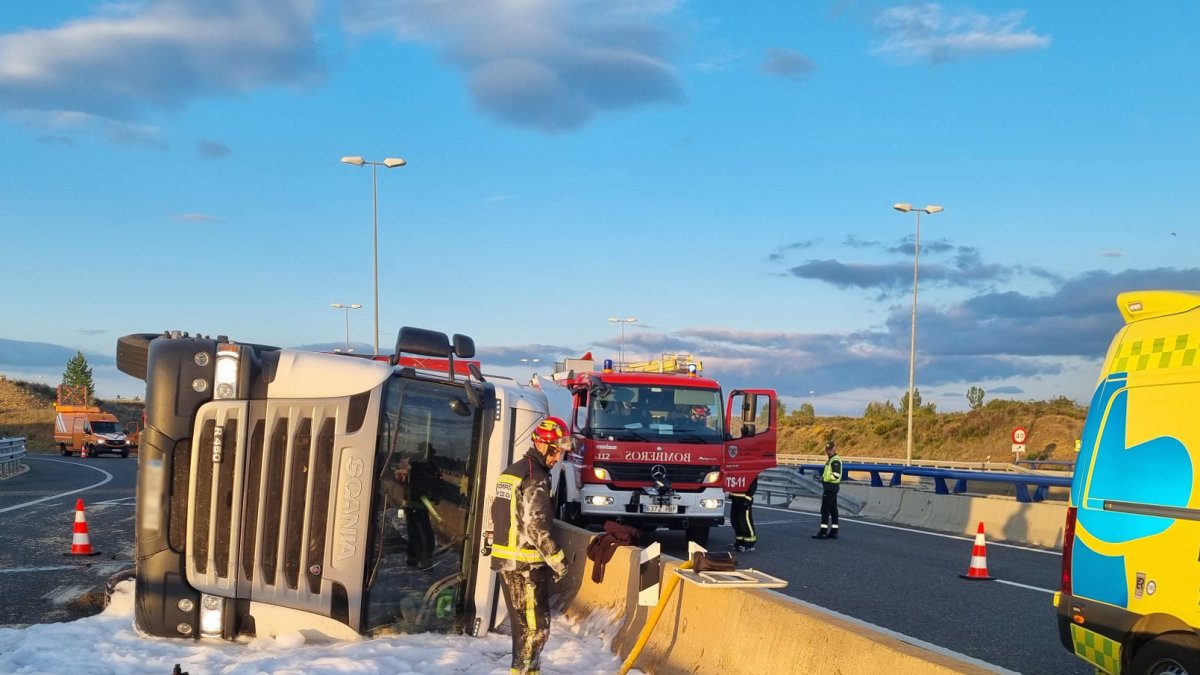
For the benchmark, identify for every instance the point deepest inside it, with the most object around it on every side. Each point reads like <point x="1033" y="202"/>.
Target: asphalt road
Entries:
<point x="39" y="584"/>
<point x="901" y="579"/>
<point x="907" y="580"/>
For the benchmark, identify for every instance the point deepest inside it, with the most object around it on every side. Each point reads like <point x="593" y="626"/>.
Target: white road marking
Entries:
<point x="78" y="566"/>
<point x="47" y="568"/>
<point x="960" y="537"/>
<point x="107" y="477"/>
<point x="119" y="501"/>
<point x="65" y="594"/>
<point x="1032" y="588"/>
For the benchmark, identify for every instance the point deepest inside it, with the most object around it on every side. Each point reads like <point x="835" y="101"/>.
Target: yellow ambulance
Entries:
<point x="1130" y="598"/>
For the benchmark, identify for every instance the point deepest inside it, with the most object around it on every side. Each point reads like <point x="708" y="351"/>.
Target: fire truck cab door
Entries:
<point x="751" y="419"/>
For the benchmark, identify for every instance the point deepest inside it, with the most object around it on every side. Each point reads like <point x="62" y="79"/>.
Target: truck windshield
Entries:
<point x="425" y="458"/>
<point x="105" y="428"/>
<point x="665" y="414"/>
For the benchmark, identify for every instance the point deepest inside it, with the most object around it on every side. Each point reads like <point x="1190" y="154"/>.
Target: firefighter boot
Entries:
<point x="833" y="533"/>
<point x="821" y="534"/>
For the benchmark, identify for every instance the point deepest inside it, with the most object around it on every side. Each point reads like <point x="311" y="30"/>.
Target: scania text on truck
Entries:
<point x="1130" y="598"/>
<point x="643" y="458"/>
<point x="281" y="489"/>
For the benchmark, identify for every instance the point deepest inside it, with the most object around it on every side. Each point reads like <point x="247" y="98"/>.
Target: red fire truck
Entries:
<point x="656" y="445"/>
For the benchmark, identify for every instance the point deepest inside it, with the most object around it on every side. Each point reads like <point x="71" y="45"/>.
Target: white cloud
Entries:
<point x="788" y="63"/>
<point x="926" y="32"/>
<point x="102" y="72"/>
<point x="197" y="218"/>
<point x="542" y="64"/>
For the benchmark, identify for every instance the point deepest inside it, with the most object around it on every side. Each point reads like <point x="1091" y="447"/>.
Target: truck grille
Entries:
<point x="273" y="544"/>
<point x="638" y="472"/>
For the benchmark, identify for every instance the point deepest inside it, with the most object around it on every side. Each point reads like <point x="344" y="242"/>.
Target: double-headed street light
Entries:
<point x="912" y="350"/>
<point x="530" y="361"/>
<point x="390" y="163"/>
<point x="631" y="319"/>
<point x="347" y="308"/>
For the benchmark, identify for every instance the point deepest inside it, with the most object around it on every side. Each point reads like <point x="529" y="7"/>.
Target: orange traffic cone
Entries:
<point x="80" y="544"/>
<point x="978" y="569"/>
<point x="83" y="451"/>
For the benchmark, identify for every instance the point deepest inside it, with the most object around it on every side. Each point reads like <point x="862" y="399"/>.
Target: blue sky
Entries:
<point x="723" y="172"/>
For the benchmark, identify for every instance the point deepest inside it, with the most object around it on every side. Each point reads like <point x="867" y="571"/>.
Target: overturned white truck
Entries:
<point x="282" y="489"/>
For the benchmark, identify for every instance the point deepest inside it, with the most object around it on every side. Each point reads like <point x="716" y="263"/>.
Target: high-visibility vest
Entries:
<point x="829" y="475"/>
<point x="509" y="528"/>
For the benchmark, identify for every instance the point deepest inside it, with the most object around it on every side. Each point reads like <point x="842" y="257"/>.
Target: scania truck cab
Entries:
<point x="283" y="489"/>
<point x="1130" y="596"/>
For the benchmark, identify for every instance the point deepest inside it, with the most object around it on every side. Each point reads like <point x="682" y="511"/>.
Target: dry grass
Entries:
<point x="27" y="409"/>
<point x="977" y="435"/>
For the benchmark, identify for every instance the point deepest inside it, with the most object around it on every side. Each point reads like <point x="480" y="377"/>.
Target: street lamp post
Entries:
<point x="530" y="361"/>
<point x="912" y="349"/>
<point x="390" y="163"/>
<point x="621" y="356"/>
<point x="347" y="308"/>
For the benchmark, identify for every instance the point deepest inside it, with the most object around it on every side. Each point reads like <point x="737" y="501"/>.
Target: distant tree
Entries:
<point x="975" y="398"/>
<point x="876" y="410"/>
<point x="916" y="401"/>
<point x="78" y="375"/>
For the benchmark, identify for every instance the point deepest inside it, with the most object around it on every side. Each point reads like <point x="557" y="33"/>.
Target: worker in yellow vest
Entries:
<point x="523" y="551"/>
<point x="831" y="480"/>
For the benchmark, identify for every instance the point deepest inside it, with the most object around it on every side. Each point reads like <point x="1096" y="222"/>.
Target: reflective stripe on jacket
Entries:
<point x="833" y="470"/>
<point x="522" y="515"/>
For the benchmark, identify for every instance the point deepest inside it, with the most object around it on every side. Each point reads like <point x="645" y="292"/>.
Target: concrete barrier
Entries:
<point x="728" y="631"/>
<point x="1004" y="518"/>
<point x="880" y="504"/>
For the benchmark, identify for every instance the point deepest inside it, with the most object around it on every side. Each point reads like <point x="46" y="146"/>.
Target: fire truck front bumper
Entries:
<point x="602" y="501"/>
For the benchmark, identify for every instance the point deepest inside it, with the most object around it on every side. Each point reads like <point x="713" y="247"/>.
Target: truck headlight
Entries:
<point x="712" y="477"/>
<point x="210" y="615"/>
<point x="711" y="503"/>
<point x="601" y="474"/>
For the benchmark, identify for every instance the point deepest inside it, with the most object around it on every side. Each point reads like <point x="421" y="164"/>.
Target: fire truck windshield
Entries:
<point x="662" y="413"/>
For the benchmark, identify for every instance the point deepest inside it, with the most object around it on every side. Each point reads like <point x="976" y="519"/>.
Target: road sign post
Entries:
<point x="1019" y="435"/>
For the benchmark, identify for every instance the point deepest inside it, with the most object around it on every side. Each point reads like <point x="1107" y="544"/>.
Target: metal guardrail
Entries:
<point x="1062" y="465"/>
<point x="796" y="460"/>
<point x="12" y="451"/>
<point x="1020" y="481"/>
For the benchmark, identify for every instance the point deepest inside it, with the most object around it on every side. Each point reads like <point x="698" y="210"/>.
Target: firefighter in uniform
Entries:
<point x="741" y="514"/>
<point x="522" y="551"/>
<point x="831" y="479"/>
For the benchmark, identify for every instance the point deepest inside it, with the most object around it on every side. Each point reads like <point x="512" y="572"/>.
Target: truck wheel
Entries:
<point x="1170" y="654"/>
<point x="125" y="453"/>
<point x="698" y="534"/>
<point x="62" y="447"/>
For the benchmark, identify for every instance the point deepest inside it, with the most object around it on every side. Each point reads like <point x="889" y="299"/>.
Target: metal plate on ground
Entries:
<point x="747" y="578"/>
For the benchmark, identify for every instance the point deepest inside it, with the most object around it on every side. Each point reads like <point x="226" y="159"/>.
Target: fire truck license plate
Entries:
<point x="660" y="508"/>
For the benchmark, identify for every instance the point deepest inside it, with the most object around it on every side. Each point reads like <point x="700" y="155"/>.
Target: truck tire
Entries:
<point x="698" y="534"/>
<point x="125" y="453"/>
<point x="1169" y="654"/>
<point x="62" y="447"/>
